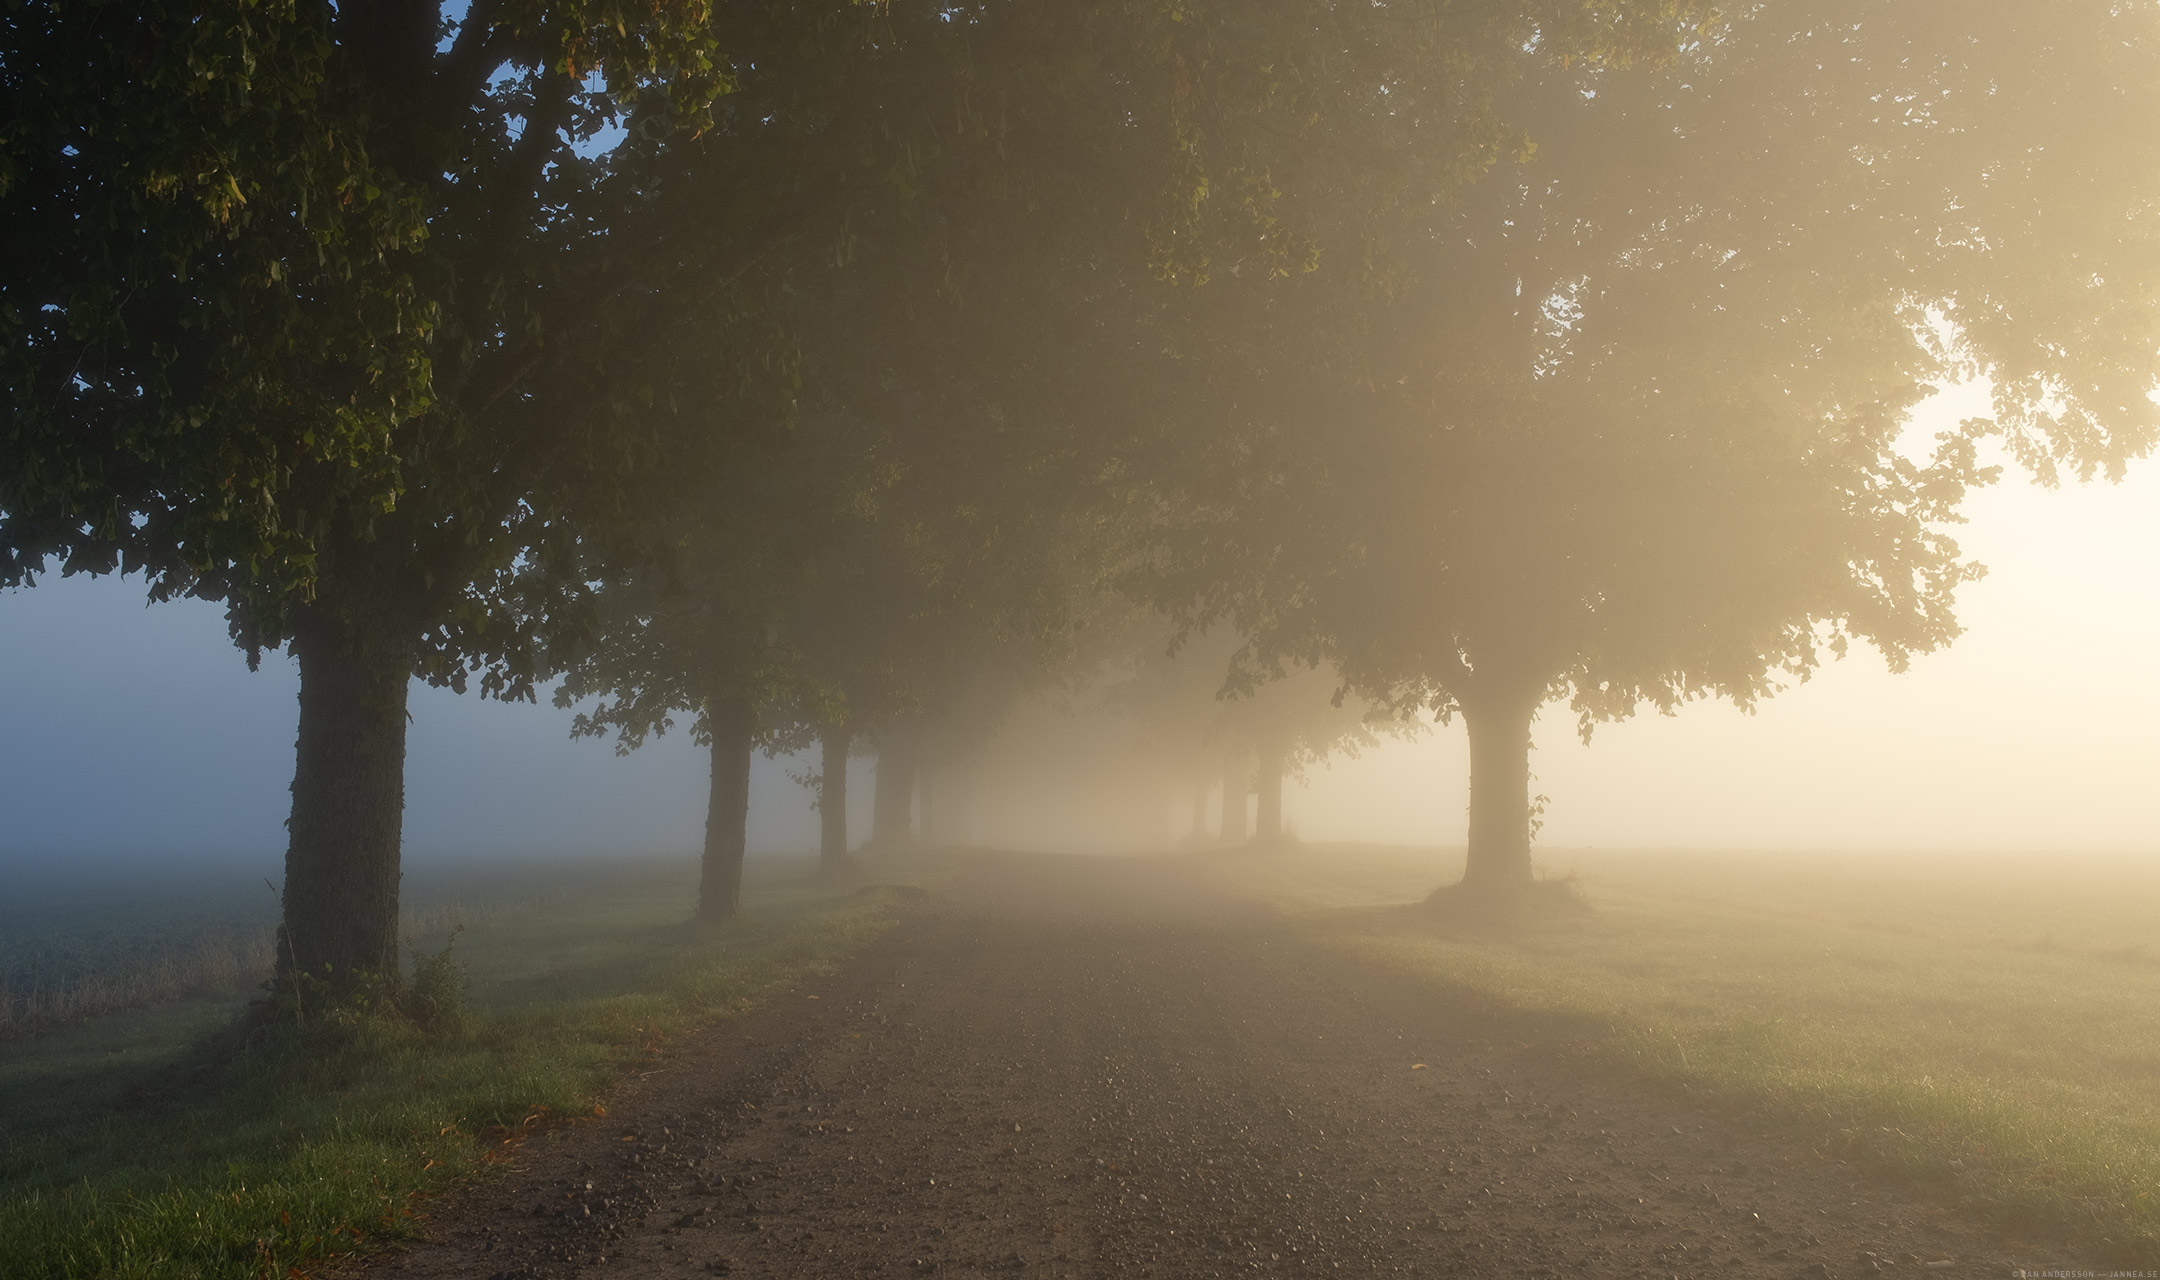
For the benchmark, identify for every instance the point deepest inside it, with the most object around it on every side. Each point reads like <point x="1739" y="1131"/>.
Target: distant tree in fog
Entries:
<point x="694" y="590"/>
<point x="1291" y="719"/>
<point x="921" y="509"/>
<point x="1210" y="713"/>
<point x="990" y="342"/>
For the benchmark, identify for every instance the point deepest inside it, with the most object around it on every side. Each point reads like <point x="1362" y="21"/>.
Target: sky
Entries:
<point x="135" y="731"/>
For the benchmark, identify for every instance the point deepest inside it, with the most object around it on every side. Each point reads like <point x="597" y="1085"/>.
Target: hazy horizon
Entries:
<point x="140" y="732"/>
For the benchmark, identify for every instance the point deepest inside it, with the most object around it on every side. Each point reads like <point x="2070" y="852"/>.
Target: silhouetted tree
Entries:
<point x="952" y="422"/>
<point x="1288" y="720"/>
<point x="833" y="743"/>
<point x="1206" y="704"/>
<point x="694" y="625"/>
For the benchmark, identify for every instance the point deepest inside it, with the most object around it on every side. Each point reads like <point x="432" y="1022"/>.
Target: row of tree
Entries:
<point x="817" y="370"/>
<point x="1098" y="750"/>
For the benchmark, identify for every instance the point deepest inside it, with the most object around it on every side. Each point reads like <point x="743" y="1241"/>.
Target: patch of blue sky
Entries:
<point x="453" y="16"/>
<point x="608" y="136"/>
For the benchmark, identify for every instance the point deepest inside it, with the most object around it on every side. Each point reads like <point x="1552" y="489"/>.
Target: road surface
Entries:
<point x="1097" y="1067"/>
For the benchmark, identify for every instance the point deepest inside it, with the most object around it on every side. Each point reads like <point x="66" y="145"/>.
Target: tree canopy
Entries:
<point x="1628" y="422"/>
<point x="349" y="318"/>
<point x="788" y="366"/>
<point x="212" y="320"/>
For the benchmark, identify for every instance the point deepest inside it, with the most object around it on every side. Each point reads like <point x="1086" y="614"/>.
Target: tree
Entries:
<point x="1290" y="720"/>
<point x="1628" y="423"/>
<point x="348" y="405"/>
<point x="210" y="325"/>
<point x="1207" y="707"/>
<point x="935" y="462"/>
<point x="960" y="574"/>
<point x="542" y="322"/>
<point x="833" y="743"/>
<point x="695" y="627"/>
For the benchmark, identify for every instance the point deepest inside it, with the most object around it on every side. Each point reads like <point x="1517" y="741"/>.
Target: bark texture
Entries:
<point x="348" y="808"/>
<point x="1499" y="856"/>
<point x="727" y="809"/>
<point x="1236" y="785"/>
<point x="832" y="799"/>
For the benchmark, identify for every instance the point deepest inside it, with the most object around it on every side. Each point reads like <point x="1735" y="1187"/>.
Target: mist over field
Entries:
<point x="141" y="736"/>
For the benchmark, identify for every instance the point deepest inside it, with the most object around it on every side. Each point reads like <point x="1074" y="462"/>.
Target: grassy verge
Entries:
<point x="77" y="945"/>
<point x="124" y="1152"/>
<point x="1984" y="1025"/>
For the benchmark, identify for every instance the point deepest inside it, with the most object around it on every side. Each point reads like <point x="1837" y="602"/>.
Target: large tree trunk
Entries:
<point x="1267" y="825"/>
<point x="1236" y="785"/>
<point x="892" y="816"/>
<point x="727" y="809"/>
<point x="348" y="809"/>
<point x="832" y="799"/>
<point x="1499" y="859"/>
<point x="1199" y="834"/>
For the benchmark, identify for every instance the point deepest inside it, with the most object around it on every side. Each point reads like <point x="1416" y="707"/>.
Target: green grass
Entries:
<point x="1987" y="1027"/>
<point x="125" y="1151"/>
<point x="77" y="945"/>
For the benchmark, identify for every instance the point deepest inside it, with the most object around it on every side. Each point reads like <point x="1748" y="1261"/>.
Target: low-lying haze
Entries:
<point x="139" y="731"/>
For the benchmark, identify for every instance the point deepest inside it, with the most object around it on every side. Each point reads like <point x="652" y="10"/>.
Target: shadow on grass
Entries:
<point x="1480" y="1011"/>
<point x="1455" y="912"/>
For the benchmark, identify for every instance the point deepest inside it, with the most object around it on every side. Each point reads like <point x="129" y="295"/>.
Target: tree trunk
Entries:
<point x="832" y="799"/>
<point x="925" y="812"/>
<point x="1199" y="812"/>
<point x="892" y="815"/>
<point x="956" y="808"/>
<point x="1267" y="829"/>
<point x="1499" y="858"/>
<point x="348" y="809"/>
<point x="727" y="809"/>
<point x="1236" y="785"/>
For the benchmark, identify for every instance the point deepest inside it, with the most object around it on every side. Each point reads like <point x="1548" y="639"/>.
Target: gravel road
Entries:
<point x="1094" y="1067"/>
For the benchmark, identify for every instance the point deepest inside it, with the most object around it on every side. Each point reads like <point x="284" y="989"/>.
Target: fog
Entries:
<point x="1353" y="638"/>
<point x="137" y="732"/>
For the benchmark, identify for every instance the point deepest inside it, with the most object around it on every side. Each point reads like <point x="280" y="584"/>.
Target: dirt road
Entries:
<point x="1085" y="1068"/>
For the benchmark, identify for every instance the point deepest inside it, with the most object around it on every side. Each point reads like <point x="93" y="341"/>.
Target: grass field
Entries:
<point x="76" y="944"/>
<point x="1986" y="1025"/>
<point x="126" y="1152"/>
